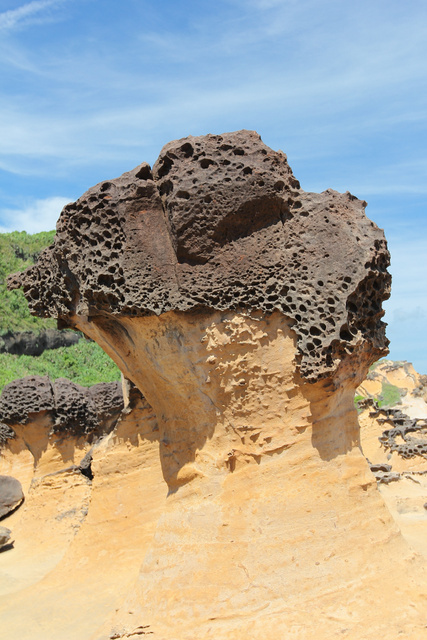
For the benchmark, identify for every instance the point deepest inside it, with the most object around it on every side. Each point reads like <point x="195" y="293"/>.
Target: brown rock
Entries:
<point x="33" y="344"/>
<point x="220" y="223"/>
<point x="74" y="409"/>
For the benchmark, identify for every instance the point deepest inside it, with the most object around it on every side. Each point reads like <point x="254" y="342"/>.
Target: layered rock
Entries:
<point x="247" y="312"/>
<point x="395" y="445"/>
<point x="47" y="431"/>
<point x="75" y="539"/>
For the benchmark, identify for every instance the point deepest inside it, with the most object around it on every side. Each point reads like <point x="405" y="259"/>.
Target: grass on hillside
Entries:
<point x="84" y="363"/>
<point x="390" y="395"/>
<point x="19" y="250"/>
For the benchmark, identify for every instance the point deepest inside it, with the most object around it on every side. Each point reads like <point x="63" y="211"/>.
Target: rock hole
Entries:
<point x="167" y="164"/>
<point x="187" y="150"/>
<point x="166" y="187"/>
<point x="183" y="194"/>
<point x="345" y="334"/>
<point x="144" y="173"/>
<point x="206" y="162"/>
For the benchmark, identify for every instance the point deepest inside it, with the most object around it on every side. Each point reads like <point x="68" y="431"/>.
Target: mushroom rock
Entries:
<point x="70" y="409"/>
<point x="247" y="312"/>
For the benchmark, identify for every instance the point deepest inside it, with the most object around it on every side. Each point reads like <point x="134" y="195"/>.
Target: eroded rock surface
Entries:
<point x="396" y="447"/>
<point x="221" y="223"/>
<point x="77" y="540"/>
<point x="74" y="409"/>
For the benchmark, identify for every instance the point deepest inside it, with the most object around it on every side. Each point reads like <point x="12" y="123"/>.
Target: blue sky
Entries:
<point x="90" y="88"/>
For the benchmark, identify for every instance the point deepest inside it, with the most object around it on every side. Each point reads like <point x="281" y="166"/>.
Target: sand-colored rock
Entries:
<point x="247" y="312"/>
<point x="273" y="507"/>
<point x="392" y="438"/>
<point x="271" y="495"/>
<point x="402" y="375"/>
<point x="76" y="541"/>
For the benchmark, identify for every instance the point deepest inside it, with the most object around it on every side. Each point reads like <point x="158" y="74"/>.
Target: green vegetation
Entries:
<point x="390" y="395"/>
<point x="84" y="363"/>
<point x="19" y="250"/>
<point x="357" y="399"/>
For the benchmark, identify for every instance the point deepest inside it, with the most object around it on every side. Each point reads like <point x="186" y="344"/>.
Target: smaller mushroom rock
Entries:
<point x="75" y="410"/>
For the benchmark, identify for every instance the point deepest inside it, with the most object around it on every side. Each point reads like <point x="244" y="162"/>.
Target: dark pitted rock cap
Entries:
<point x="221" y="223"/>
<point x="75" y="410"/>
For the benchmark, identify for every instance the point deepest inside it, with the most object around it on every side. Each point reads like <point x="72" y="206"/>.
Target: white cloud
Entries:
<point x="24" y="14"/>
<point x="40" y="215"/>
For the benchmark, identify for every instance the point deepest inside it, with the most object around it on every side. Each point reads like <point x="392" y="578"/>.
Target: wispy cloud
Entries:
<point x="25" y="14"/>
<point x="39" y="215"/>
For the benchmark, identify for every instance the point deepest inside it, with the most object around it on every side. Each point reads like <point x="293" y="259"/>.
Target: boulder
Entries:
<point x="11" y="495"/>
<point x="4" y="537"/>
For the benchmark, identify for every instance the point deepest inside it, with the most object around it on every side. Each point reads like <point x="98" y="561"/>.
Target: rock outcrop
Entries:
<point x="391" y="383"/>
<point x="247" y="312"/>
<point x="72" y="409"/>
<point x="395" y="445"/>
<point x="77" y="539"/>
<point x="33" y="344"/>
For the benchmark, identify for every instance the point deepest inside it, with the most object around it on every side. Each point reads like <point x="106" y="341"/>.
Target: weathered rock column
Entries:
<point x="247" y="312"/>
